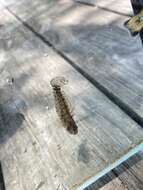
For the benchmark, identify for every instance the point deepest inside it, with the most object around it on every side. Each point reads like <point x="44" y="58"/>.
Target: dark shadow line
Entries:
<point x="104" y="8"/>
<point x="113" y="11"/>
<point x="123" y="106"/>
<point x="2" y="183"/>
<point x="85" y="3"/>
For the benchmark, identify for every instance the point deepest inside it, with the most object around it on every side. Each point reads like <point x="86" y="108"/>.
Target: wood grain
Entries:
<point x="36" y="152"/>
<point x="98" y="45"/>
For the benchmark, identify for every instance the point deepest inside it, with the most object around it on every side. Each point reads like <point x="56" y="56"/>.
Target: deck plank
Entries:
<point x="97" y="43"/>
<point x="35" y="151"/>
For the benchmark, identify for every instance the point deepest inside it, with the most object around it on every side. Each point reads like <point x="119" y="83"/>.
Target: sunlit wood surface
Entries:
<point x="90" y="47"/>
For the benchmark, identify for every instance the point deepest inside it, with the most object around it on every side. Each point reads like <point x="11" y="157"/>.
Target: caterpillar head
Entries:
<point x="58" y="82"/>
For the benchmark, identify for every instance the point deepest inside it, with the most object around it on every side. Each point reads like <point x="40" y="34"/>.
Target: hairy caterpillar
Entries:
<point x="62" y="106"/>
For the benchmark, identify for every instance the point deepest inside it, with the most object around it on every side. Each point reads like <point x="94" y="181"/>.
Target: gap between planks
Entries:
<point x="104" y="8"/>
<point x="122" y="7"/>
<point x="2" y="183"/>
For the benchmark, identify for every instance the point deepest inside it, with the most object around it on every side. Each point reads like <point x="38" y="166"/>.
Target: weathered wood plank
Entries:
<point x="97" y="42"/>
<point x="35" y="150"/>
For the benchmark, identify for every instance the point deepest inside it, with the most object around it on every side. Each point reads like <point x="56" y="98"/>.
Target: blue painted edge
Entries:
<point x="112" y="166"/>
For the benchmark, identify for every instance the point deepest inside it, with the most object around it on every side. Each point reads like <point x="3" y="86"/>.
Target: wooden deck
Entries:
<point x="103" y="63"/>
